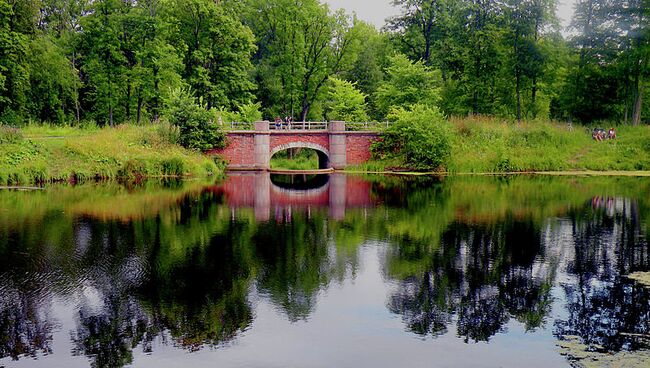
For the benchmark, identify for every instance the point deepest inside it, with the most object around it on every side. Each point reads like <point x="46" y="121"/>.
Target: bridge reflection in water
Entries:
<point x="283" y="194"/>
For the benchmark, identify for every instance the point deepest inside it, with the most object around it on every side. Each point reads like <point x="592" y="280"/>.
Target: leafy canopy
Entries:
<point x="407" y="83"/>
<point x="346" y="102"/>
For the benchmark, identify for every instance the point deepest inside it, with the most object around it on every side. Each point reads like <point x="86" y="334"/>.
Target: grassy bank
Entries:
<point x="40" y="154"/>
<point x="486" y="145"/>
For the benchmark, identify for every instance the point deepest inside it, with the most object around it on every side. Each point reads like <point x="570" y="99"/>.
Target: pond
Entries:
<point x="260" y="270"/>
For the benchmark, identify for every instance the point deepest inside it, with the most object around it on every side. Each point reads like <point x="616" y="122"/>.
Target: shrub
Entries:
<point x="169" y="133"/>
<point x="419" y="138"/>
<point x="197" y="130"/>
<point x="173" y="167"/>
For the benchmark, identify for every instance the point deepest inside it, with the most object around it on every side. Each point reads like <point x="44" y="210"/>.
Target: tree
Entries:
<point x="612" y="60"/>
<point x="422" y="24"/>
<point x="346" y="102"/>
<point x="300" y="45"/>
<point x="104" y="62"/>
<point x="370" y="60"/>
<point x="217" y="51"/>
<point x="17" y="24"/>
<point x="54" y="82"/>
<point x="406" y="84"/>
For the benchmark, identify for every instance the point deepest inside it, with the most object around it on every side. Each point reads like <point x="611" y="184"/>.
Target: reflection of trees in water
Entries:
<point x="607" y="311"/>
<point x="160" y="277"/>
<point x="294" y="264"/>
<point x="109" y="335"/>
<point x="185" y="274"/>
<point x="23" y="330"/>
<point x="482" y="274"/>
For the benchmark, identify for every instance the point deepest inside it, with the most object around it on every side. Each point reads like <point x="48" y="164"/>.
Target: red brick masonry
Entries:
<point x="240" y="152"/>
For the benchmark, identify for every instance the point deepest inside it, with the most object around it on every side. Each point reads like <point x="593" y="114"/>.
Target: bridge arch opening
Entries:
<point x="299" y="150"/>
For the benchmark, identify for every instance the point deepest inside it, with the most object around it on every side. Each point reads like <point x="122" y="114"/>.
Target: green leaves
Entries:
<point x="217" y="50"/>
<point x="419" y="138"/>
<point x="345" y="102"/>
<point x="197" y="129"/>
<point x="407" y="83"/>
<point x="299" y="48"/>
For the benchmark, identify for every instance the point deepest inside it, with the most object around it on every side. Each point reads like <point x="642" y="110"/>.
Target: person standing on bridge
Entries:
<point x="278" y="122"/>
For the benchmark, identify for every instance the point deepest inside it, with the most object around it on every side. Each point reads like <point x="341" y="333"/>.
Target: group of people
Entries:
<point x="600" y="135"/>
<point x="283" y="123"/>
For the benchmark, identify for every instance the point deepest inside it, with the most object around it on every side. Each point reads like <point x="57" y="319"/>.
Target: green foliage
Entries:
<point x="116" y="61"/>
<point x="197" y="129"/>
<point x="247" y="113"/>
<point x="345" y="102"/>
<point x="407" y="84"/>
<point x="299" y="47"/>
<point x="419" y="137"/>
<point x="54" y="82"/>
<point x="217" y="50"/>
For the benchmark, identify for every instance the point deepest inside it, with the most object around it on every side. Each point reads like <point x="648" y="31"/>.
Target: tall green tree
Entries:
<point x="300" y="45"/>
<point x="217" y="49"/>
<point x="104" y="62"/>
<point x="406" y="84"/>
<point x="420" y="27"/>
<point x="54" y="82"/>
<point x="345" y="102"/>
<point x="17" y="25"/>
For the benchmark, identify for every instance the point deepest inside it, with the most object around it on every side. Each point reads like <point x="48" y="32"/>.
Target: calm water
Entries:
<point x="329" y="271"/>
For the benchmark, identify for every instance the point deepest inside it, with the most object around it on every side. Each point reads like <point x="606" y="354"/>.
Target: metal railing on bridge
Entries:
<point x="310" y="125"/>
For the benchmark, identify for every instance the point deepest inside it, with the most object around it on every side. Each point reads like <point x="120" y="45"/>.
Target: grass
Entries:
<point x="490" y="145"/>
<point x="38" y="154"/>
<point x="304" y="159"/>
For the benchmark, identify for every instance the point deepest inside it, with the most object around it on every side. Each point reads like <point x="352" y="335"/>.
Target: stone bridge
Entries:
<point x="336" y="147"/>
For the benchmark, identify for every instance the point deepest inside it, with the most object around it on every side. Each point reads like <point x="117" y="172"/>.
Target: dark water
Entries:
<point x="338" y="271"/>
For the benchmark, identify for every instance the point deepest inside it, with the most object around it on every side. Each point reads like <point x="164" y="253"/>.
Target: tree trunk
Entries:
<point x="139" y="113"/>
<point x="110" y="115"/>
<point x="305" y="110"/>
<point x="517" y="76"/>
<point x="155" y="104"/>
<point x="127" y="105"/>
<point x="538" y="22"/>
<point x="638" y="103"/>
<point x="518" y="87"/>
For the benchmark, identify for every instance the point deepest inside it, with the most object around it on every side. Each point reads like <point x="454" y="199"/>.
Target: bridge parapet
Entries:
<point x="307" y="125"/>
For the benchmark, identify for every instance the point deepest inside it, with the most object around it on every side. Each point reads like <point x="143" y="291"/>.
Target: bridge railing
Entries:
<point x="366" y="126"/>
<point x="310" y="125"/>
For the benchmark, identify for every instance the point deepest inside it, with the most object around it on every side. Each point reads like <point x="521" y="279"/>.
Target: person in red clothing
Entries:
<point x="611" y="134"/>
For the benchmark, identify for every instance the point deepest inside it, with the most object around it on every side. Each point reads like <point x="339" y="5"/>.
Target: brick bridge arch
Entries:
<point x="323" y="153"/>
<point x="337" y="148"/>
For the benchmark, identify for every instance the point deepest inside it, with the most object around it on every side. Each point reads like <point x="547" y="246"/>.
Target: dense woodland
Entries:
<point x="115" y="61"/>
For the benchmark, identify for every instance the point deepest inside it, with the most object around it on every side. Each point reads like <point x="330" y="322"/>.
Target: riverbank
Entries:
<point x="40" y="154"/>
<point x="488" y="145"/>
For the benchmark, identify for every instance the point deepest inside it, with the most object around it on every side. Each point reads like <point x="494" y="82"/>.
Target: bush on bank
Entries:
<point x="197" y="125"/>
<point x="419" y="139"/>
<point x="38" y="154"/>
